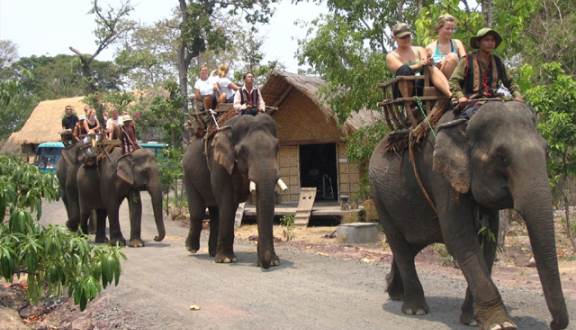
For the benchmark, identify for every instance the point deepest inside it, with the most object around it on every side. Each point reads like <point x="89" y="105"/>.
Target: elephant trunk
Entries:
<point x="533" y="199"/>
<point x="265" y="202"/>
<point x="156" y="195"/>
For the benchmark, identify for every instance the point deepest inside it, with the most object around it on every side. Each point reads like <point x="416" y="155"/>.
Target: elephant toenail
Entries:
<point x="409" y="311"/>
<point x="420" y="312"/>
<point x="496" y="327"/>
<point x="473" y="323"/>
<point x="509" y="325"/>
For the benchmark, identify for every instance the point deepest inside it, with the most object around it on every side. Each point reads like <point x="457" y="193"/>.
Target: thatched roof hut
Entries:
<point x="312" y="143"/>
<point x="43" y="125"/>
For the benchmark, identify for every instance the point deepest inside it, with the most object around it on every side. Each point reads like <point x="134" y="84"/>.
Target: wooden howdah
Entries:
<point x="407" y="112"/>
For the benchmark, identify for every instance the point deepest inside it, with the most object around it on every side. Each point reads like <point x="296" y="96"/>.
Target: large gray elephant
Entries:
<point x="104" y="184"/>
<point x="496" y="160"/>
<point x="218" y="174"/>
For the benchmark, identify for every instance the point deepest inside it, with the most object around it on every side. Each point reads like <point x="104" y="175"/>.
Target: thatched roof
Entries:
<point x="44" y="124"/>
<point x="280" y="85"/>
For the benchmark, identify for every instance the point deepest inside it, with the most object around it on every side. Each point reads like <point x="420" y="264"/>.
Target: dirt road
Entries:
<point x="308" y="291"/>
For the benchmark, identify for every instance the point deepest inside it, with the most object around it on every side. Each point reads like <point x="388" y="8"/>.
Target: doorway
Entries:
<point x="318" y="169"/>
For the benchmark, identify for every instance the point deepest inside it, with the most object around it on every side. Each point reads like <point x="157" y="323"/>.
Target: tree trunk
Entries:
<point x="488" y="12"/>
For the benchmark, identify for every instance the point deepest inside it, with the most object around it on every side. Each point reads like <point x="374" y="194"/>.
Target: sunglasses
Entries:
<point x="408" y="36"/>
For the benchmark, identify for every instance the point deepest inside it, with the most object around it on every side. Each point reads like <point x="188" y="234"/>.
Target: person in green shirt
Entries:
<point x="478" y="74"/>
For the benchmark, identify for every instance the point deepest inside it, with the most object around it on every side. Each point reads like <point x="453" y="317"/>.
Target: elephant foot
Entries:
<point x="225" y="258"/>
<point x="121" y="241"/>
<point x="495" y="319"/>
<point x="395" y="289"/>
<point x="136" y="243"/>
<point x="467" y="318"/>
<point x="72" y="226"/>
<point x="212" y="251"/>
<point x="274" y="261"/>
<point x="101" y="240"/>
<point x="415" y="308"/>
<point x="192" y="245"/>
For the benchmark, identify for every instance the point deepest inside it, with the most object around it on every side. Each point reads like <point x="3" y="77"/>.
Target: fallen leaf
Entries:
<point x="194" y="307"/>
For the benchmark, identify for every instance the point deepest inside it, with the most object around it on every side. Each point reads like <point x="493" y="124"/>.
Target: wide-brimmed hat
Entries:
<point x="400" y="30"/>
<point x="474" y="41"/>
<point x="126" y="118"/>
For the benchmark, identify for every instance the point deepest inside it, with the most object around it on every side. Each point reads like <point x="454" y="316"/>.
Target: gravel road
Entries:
<point x="307" y="291"/>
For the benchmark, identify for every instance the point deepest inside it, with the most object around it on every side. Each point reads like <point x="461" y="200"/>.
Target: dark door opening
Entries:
<point x="318" y="169"/>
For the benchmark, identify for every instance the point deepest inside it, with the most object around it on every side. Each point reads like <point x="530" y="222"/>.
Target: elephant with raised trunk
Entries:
<point x="469" y="171"/>
<point x="220" y="172"/>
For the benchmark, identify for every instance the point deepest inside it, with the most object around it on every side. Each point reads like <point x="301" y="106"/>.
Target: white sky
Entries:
<point x="49" y="27"/>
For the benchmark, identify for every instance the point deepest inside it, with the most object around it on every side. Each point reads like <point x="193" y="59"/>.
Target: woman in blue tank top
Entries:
<point x="446" y="52"/>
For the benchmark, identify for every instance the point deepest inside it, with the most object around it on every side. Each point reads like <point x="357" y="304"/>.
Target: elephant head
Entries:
<point x="248" y="147"/>
<point x="140" y="171"/>
<point x="499" y="157"/>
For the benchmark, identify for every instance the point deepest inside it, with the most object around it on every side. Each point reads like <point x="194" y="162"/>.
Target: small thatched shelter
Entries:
<point x="43" y="125"/>
<point x="312" y="144"/>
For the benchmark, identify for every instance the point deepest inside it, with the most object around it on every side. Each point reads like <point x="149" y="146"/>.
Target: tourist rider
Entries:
<point x="204" y="89"/>
<point x="111" y="124"/>
<point x="446" y="52"/>
<point x="248" y="100"/>
<point x="480" y="74"/>
<point x="70" y="119"/>
<point x="79" y="132"/>
<point x="226" y="87"/>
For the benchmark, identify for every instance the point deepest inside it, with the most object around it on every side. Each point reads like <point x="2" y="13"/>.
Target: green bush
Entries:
<point x="53" y="258"/>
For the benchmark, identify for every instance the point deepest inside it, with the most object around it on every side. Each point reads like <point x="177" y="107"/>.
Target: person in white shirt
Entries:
<point x="112" y="122"/>
<point x="226" y="87"/>
<point x="204" y="89"/>
<point x="248" y="100"/>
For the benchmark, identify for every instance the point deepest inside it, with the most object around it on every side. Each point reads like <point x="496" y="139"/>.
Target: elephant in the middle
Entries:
<point x="218" y="173"/>
<point x="104" y="184"/>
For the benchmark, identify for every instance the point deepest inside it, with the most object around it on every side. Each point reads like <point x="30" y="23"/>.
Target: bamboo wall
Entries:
<point x="348" y="180"/>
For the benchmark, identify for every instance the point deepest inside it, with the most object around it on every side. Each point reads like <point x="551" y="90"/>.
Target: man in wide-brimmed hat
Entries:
<point x="480" y="73"/>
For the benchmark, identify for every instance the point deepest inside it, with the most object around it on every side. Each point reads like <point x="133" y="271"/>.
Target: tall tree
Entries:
<point x="8" y="53"/>
<point x="111" y="24"/>
<point x="198" y="31"/>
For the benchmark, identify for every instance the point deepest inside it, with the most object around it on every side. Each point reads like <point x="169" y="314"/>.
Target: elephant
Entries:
<point x="104" y="184"/>
<point x="455" y="180"/>
<point x="220" y="172"/>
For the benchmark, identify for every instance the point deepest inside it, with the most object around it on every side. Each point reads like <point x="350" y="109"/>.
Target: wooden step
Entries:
<point x="305" y="204"/>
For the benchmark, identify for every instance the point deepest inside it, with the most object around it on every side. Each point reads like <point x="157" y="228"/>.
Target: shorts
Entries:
<point x="404" y="71"/>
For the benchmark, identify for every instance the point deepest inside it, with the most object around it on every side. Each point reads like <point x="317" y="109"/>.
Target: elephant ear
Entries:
<point x="451" y="156"/>
<point x="125" y="169"/>
<point x="223" y="151"/>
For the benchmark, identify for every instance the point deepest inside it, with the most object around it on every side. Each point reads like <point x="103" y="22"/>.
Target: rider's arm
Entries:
<point x="456" y="80"/>
<point x="261" y="104"/>
<point x="237" y="99"/>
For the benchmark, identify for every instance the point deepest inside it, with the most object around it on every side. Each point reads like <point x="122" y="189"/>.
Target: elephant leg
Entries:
<point x="73" y="209"/>
<point x="196" y="208"/>
<point x="116" y="237"/>
<point x="394" y="285"/>
<point x="413" y="293"/>
<point x="92" y="222"/>
<point x="225" y="245"/>
<point x="101" y="226"/>
<point x="135" y="207"/>
<point x="84" y="217"/>
<point x="462" y="242"/>
<point x="214" y="229"/>
<point x="489" y="248"/>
